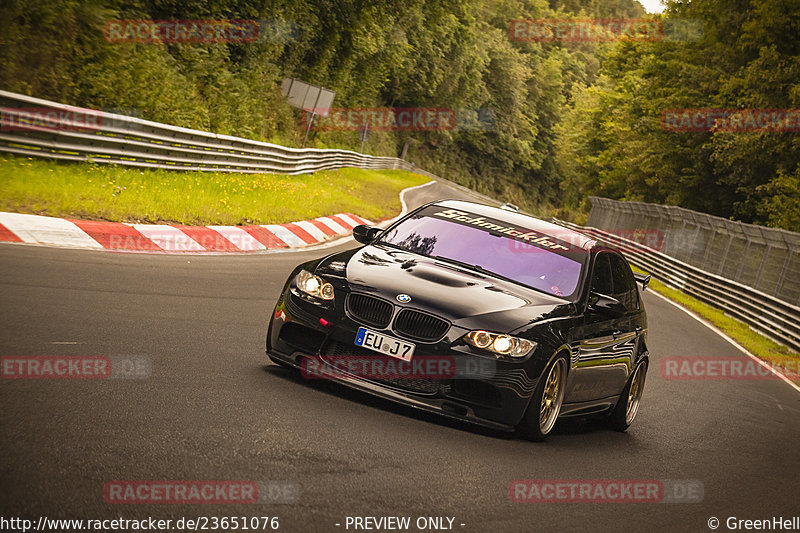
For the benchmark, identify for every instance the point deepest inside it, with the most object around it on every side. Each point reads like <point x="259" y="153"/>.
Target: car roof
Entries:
<point x="561" y="233"/>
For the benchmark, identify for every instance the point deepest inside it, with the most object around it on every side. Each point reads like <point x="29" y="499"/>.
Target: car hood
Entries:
<point x="469" y="299"/>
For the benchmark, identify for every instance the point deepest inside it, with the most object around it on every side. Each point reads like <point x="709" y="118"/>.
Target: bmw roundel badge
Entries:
<point x="403" y="298"/>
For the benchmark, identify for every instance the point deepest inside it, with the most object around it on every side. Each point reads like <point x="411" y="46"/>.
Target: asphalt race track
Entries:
<point x="215" y="409"/>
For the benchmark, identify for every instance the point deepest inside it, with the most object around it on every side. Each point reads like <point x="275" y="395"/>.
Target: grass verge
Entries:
<point x="124" y="194"/>
<point x="773" y="353"/>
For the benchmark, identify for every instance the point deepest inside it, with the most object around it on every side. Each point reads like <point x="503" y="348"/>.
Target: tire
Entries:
<point x="546" y="402"/>
<point x="627" y="406"/>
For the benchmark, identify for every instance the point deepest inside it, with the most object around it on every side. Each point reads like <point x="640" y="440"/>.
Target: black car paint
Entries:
<point x="603" y="349"/>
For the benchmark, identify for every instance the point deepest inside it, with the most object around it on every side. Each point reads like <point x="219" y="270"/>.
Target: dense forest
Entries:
<point x="544" y="123"/>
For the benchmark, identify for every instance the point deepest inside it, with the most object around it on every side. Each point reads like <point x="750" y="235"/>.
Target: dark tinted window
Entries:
<point x="601" y="275"/>
<point x="624" y="283"/>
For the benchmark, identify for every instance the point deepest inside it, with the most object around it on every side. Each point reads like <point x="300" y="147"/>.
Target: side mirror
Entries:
<point x="644" y="279"/>
<point x="606" y="305"/>
<point x="366" y="234"/>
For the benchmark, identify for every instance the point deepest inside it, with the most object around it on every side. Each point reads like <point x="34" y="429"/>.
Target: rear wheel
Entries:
<point x="546" y="403"/>
<point x="628" y="404"/>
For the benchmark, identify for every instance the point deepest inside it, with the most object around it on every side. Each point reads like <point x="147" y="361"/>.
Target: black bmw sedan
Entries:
<point x="476" y="313"/>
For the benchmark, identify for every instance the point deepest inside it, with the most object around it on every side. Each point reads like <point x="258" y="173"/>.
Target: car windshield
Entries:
<point x="483" y="243"/>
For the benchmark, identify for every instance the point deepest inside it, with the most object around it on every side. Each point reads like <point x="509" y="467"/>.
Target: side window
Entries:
<point x="601" y="275"/>
<point x="624" y="283"/>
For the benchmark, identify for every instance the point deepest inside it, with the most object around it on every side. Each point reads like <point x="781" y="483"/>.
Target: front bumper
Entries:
<point x="303" y="328"/>
<point x="438" y="406"/>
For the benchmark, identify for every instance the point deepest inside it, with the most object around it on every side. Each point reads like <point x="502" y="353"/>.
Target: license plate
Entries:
<point x="384" y="344"/>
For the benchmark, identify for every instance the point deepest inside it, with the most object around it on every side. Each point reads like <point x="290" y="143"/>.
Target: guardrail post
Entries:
<point x="725" y="254"/>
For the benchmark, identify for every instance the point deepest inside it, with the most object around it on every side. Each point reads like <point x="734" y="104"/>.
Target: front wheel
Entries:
<point x="546" y="403"/>
<point x="628" y="404"/>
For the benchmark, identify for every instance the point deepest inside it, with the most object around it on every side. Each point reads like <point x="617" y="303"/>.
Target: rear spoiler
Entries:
<point x="644" y="279"/>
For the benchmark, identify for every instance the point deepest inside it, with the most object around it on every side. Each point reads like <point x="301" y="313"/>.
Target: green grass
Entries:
<point x="757" y="344"/>
<point x="124" y="194"/>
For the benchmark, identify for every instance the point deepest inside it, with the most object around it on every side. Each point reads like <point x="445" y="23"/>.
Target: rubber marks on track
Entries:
<point x="35" y="229"/>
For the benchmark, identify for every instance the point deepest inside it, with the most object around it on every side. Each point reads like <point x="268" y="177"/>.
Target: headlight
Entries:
<point x="314" y="285"/>
<point x="500" y="344"/>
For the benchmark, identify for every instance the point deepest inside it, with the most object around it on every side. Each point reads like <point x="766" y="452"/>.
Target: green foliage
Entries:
<point x="565" y="119"/>
<point x="611" y="142"/>
<point x="780" y="206"/>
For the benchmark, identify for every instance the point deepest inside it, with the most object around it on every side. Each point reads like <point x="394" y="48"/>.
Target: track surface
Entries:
<point x="215" y="409"/>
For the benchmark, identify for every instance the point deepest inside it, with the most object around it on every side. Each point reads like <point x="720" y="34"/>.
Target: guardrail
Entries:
<point x="768" y="315"/>
<point x="766" y="259"/>
<point x="131" y="141"/>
